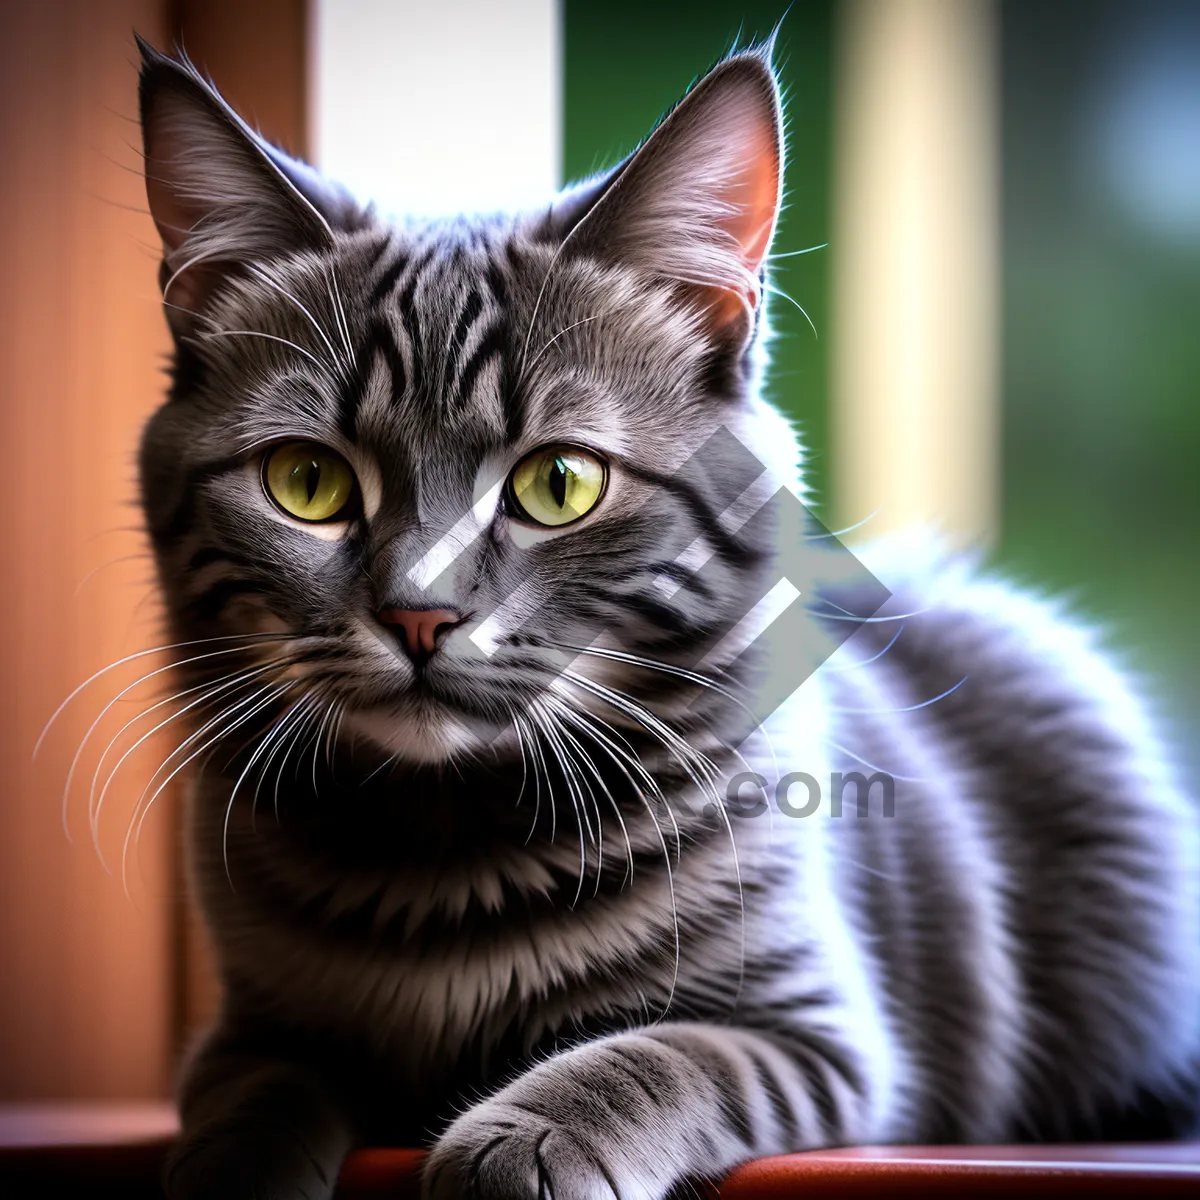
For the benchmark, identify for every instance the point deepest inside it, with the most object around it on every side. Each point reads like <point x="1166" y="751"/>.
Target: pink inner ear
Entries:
<point x="754" y="192"/>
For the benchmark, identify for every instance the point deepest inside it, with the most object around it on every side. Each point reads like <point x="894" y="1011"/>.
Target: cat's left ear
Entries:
<point x="697" y="203"/>
<point x="222" y="196"/>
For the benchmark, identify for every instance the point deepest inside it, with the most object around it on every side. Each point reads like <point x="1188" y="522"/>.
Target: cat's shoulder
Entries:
<point x="959" y="596"/>
<point x="1029" y="654"/>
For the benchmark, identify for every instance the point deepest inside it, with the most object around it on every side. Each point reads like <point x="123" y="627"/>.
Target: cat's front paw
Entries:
<point x="500" y="1153"/>
<point x="581" y="1126"/>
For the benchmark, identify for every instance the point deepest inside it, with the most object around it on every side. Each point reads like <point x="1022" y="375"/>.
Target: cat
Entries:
<point x="454" y="534"/>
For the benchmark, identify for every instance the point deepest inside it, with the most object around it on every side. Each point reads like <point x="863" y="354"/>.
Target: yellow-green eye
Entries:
<point x="557" y="484"/>
<point x="309" y="481"/>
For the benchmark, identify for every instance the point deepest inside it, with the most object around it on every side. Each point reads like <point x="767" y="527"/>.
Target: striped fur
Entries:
<point x="506" y="909"/>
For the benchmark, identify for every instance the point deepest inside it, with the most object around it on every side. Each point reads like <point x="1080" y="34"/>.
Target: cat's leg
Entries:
<point x="255" y="1126"/>
<point x="634" y="1114"/>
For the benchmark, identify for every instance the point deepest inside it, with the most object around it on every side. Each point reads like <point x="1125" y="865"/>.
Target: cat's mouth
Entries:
<point x="426" y="710"/>
<point x="427" y="722"/>
<point x="417" y="734"/>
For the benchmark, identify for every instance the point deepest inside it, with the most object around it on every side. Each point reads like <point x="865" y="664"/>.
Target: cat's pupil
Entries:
<point x="558" y="482"/>
<point x="311" y="479"/>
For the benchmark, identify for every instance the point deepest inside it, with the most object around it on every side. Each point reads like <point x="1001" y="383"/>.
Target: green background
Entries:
<point x="627" y="63"/>
<point x="1100" y="344"/>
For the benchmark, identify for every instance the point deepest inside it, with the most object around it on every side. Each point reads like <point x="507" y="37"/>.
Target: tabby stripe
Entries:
<point x="513" y="400"/>
<point x="838" y="1060"/>
<point x="467" y="318"/>
<point x="179" y="520"/>
<point x="404" y="301"/>
<point x="407" y="315"/>
<point x="735" y="1103"/>
<point x="511" y="395"/>
<point x="490" y="347"/>
<point x="377" y="251"/>
<point x="497" y="284"/>
<point x="724" y="543"/>
<point x="634" y="1070"/>
<point x="207" y="555"/>
<point x="211" y="602"/>
<point x="656" y="612"/>
<point x="820" y="1092"/>
<point x="384" y="340"/>
<point x="379" y="339"/>
<point x="781" y="1106"/>
<point x="687" y="579"/>
<point x="385" y="284"/>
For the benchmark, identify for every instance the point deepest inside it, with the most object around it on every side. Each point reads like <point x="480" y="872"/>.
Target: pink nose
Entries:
<point x="421" y="627"/>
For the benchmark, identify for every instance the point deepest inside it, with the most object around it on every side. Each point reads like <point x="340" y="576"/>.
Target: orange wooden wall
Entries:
<point x="96" y="987"/>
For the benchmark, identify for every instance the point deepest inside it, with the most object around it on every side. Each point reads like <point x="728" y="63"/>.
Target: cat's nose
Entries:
<point x="420" y="629"/>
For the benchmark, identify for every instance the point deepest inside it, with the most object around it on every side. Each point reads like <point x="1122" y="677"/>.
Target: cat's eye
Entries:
<point x="309" y="481"/>
<point x="556" y="485"/>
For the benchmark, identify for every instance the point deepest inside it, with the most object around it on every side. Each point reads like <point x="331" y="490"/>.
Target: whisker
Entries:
<point x="209" y="334"/>
<point x="539" y="716"/>
<point x="526" y="736"/>
<point x="798" y="253"/>
<point x="196" y="735"/>
<point x="291" y="741"/>
<point x="560" y="333"/>
<point x="201" y="749"/>
<point x="704" y="681"/>
<point x="275" y="738"/>
<point x="682" y="753"/>
<point x="621" y="745"/>
<point x="907" y="707"/>
<point x="874" y="657"/>
<point x="142" y="654"/>
<point x="879" y="770"/>
<point x="541" y="756"/>
<point x="777" y="291"/>
<point x="569" y="714"/>
<point x="124" y="692"/>
<point x="278" y="692"/>
<point x="585" y="759"/>
<point x="524" y="764"/>
<point x="265" y="277"/>
<point x="339" y="313"/>
<point x="849" y="616"/>
<point x="326" y="716"/>
<point x="134" y="720"/>
<point x="666" y="855"/>
<point x="209" y="696"/>
<point x="837" y="533"/>
<point x="112" y="562"/>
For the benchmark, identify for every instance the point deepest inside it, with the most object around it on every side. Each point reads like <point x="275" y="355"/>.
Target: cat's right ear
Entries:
<point x="219" y="194"/>
<point x="697" y="203"/>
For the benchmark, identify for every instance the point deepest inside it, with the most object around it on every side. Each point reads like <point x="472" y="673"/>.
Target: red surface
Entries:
<point x="113" y="1150"/>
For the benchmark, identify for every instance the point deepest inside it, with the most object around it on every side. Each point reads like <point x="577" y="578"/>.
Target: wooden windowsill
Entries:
<point x="116" y="1149"/>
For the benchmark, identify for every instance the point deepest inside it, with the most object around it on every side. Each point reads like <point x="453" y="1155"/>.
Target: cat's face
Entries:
<point x="413" y="464"/>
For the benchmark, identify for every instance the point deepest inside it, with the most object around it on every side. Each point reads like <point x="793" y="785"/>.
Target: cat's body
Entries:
<point x="557" y="929"/>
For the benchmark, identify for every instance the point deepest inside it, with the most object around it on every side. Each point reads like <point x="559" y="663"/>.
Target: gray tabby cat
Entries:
<point x="454" y="530"/>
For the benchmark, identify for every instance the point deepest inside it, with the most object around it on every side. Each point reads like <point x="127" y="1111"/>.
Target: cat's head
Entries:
<point x="409" y="463"/>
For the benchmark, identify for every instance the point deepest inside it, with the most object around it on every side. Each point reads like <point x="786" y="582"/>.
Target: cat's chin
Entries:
<point x="425" y="737"/>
